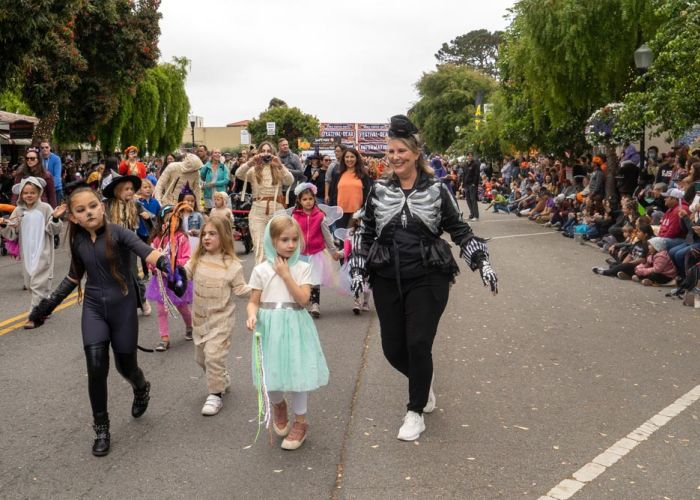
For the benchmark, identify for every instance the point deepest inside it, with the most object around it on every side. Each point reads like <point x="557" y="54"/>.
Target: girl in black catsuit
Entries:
<point x="103" y="252"/>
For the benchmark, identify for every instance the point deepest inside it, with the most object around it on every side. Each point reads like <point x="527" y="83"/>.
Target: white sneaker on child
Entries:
<point x="212" y="405"/>
<point x="413" y="425"/>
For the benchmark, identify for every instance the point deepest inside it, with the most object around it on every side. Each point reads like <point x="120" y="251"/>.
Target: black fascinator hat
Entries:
<point x="402" y="127"/>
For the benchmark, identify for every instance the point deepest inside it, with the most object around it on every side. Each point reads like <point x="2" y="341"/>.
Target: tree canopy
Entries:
<point x="667" y="96"/>
<point x="560" y="61"/>
<point x="71" y="60"/>
<point x="477" y="49"/>
<point x="291" y="123"/>
<point x="447" y="100"/>
<point x="154" y="117"/>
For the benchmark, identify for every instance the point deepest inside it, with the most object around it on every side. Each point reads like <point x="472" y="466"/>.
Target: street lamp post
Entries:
<point x="192" y="123"/>
<point x="643" y="57"/>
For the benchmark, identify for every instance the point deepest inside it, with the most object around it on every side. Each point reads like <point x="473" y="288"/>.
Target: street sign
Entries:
<point x="271" y="128"/>
<point x="245" y="137"/>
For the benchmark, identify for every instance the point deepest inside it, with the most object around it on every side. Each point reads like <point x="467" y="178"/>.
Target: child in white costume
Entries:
<point x="292" y="357"/>
<point x="34" y="223"/>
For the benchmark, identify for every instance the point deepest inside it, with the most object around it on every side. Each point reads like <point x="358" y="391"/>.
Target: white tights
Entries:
<point x="299" y="400"/>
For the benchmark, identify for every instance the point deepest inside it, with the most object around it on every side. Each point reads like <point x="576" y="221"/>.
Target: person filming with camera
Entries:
<point x="268" y="178"/>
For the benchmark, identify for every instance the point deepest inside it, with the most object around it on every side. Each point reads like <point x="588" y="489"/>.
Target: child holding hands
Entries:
<point x="218" y="276"/>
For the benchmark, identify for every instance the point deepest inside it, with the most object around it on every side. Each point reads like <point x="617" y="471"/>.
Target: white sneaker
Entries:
<point x="212" y="405"/>
<point x="430" y="405"/>
<point x="146" y="308"/>
<point x="413" y="425"/>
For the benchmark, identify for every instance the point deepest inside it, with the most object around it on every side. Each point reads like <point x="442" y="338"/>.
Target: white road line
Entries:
<point x="569" y="487"/>
<point x="488" y="221"/>
<point x="521" y="235"/>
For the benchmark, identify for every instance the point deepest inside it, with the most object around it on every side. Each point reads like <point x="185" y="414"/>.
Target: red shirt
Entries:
<point x="671" y="223"/>
<point x="140" y="169"/>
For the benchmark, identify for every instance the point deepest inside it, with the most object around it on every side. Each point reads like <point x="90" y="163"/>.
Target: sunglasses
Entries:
<point x="326" y="160"/>
<point x="32" y="158"/>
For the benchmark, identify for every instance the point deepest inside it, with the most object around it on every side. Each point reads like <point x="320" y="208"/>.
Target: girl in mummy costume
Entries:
<point x="103" y="251"/>
<point x="410" y="268"/>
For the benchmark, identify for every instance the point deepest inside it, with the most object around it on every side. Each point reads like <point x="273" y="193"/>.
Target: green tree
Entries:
<point x="11" y="100"/>
<point x="668" y="95"/>
<point x="477" y="49"/>
<point x="483" y="137"/>
<point x="119" y="41"/>
<point x="155" y="116"/>
<point x="72" y="59"/>
<point x="291" y="123"/>
<point x="561" y="60"/>
<point x="447" y="100"/>
<point x="276" y="103"/>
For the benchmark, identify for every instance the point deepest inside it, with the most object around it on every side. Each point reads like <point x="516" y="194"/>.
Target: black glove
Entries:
<point x="357" y="284"/>
<point x="163" y="265"/>
<point x="177" y="282"/>
<point x="47" y="306"/>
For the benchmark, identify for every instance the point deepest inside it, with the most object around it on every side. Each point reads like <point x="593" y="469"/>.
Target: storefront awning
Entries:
<point x="5" y="140"/>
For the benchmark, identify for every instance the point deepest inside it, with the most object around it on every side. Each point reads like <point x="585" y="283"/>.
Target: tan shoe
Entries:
<point x="280" y="419"/>
<point x="296" y="436"/>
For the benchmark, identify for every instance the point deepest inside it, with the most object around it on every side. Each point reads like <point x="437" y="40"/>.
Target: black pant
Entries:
<point x="97" y="359"/>
<point x="315" y="295"/>
<point x="408" y="323"/>
<point x="626" y="268"/>
<point x="472" y="196"/>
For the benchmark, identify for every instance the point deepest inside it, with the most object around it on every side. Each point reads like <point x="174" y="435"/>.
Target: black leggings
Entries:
<point x="108" y="316"/>
<point x="408" y="323"/>
<point x="97" y="359"/>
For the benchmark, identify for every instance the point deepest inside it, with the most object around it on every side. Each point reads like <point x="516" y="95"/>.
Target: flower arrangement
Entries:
<point x="603" y="126"/>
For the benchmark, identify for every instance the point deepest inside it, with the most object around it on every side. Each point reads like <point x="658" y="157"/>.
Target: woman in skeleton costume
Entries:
<point x="410" y="268"/>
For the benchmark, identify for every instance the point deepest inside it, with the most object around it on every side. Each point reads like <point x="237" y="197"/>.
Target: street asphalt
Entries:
<point x="532" y="385"/>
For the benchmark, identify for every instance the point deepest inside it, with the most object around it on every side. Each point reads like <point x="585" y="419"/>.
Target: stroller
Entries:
<point x="241" y="204"/>
<point x="6" y="246"/>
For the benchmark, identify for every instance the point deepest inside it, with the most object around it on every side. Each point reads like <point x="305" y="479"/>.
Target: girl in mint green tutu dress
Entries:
<point x="292" y="357"/>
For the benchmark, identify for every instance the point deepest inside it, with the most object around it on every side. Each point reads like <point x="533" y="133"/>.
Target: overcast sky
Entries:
<point x="352" y="61"/>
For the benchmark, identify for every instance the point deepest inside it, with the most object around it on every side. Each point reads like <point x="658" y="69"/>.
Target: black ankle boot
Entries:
<point x="100" y="447"/>
<point x="141" y="398"/>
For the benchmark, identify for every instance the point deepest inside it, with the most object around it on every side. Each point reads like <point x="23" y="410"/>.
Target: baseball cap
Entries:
<point x="673" y="193"/>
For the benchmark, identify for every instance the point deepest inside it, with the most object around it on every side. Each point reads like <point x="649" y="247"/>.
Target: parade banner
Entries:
<point x="371" y="137"/>
<point x="343" y="132"/>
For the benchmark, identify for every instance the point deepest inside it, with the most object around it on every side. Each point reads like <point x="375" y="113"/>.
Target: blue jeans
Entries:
<point x="673" y="242"/>
<point x="500" y="206"/>
<point x="678" y="254"/>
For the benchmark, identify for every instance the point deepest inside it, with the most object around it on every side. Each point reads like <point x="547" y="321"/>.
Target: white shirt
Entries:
<point x="273" y="288"/>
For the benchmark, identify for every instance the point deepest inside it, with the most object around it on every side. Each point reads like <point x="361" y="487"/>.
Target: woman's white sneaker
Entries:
<point x="413" y="425"/>
<point x="212" y="405"/>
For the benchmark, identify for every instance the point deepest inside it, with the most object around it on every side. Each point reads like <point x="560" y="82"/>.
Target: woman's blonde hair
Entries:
<point x="276" y="172"/>
<point x="228" y="250"/>
<point x="280" y="223"/>
<point x="415" y="144"/>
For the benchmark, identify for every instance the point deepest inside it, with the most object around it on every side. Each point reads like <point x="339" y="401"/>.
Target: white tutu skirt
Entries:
<point x="324" y="270"/>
